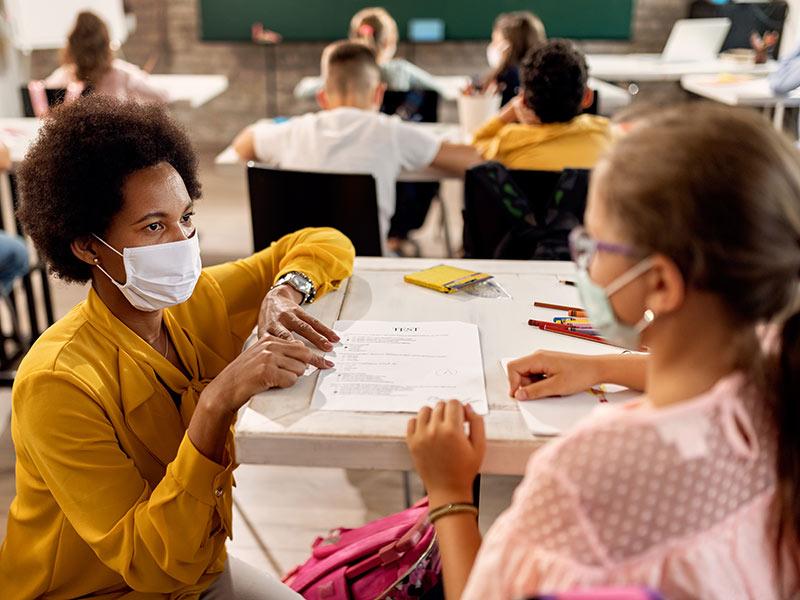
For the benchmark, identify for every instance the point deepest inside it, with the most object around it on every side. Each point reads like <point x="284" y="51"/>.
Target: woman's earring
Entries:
<point x="96" y="260"/>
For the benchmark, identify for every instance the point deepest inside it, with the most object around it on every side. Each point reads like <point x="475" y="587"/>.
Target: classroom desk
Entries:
<point x="278" y="427"/>
<point x="738" y="91"/>
<point x="742" y="90"/>
<point x="450" y="132"/>
<point x="450" y="85"/>
<point x="194" y="89"/>
<point x="650" y="67"/>
<point x="18" y="133"/>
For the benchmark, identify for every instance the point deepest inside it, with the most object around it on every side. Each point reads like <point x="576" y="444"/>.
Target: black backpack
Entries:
<point x="522" y="215"/>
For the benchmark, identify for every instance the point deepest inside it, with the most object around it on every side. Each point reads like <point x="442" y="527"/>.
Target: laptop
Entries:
<point x="693" y="40"/>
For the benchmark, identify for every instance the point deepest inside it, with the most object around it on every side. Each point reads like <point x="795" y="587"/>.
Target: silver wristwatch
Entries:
<point x="301" y="282"/>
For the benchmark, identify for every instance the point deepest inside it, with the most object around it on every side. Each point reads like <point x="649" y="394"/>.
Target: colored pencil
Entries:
<point x="545" y="326"/>
<point x="555" y="306"/>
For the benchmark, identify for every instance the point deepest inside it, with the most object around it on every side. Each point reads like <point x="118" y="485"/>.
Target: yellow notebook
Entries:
<point x="445" y="279"/>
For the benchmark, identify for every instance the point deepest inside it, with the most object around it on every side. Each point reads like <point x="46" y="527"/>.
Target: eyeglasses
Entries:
<point x="583" y="247"/>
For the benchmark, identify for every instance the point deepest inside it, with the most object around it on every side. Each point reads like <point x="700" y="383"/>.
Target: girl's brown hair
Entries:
<point x="718" y="191"/>
<point x="523" y="31"/>
<point x="89" y="48"/>
<point x="374" y="27"/>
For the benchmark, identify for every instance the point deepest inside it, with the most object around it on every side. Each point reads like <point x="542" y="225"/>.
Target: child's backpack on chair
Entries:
<point x="395" y="558"/>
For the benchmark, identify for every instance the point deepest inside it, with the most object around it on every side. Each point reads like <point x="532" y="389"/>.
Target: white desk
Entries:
<point x="18" y="134"/>
<point x="194" y="89"/>
<point x="650" y="67"/>
<point x="280" y="428"/>
<point x="738" y="91"/>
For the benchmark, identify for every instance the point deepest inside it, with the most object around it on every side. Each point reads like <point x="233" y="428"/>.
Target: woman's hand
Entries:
<point x="446" y="458"/>
<point x="545" y="373"/>
<point x="280" y="315"/>
<point x="269" y="363"/>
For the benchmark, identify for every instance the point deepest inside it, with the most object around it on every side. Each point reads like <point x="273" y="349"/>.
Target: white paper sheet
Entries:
<point x="554" y="416"/>
<point x="387" y="366"/>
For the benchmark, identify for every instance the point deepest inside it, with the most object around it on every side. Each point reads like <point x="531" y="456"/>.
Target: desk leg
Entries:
<point x="778" y="116"/>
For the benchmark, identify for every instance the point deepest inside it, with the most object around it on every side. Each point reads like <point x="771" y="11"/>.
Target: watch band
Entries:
<point x="300" y="282"/>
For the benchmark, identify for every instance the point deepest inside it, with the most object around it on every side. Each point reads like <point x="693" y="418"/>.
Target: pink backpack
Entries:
<point x="394" y="557"/>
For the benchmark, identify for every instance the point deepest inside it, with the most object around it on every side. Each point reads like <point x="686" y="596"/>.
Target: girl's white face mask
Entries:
<point x="160" y="275"/>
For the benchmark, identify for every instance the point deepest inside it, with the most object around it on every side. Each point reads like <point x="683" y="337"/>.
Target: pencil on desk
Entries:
<point x="555" y="306"/>
<point x="553" y="327"/>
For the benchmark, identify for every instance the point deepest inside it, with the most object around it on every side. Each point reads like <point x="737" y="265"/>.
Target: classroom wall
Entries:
<point x="170" y="28"/>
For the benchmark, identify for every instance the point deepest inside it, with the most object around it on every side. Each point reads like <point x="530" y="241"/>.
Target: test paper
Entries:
<point x="387" y="366"/>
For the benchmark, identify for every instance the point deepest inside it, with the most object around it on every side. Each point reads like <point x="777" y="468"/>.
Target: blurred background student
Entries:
<point x="13" y="252"/>
<point x="514" y="34"/>
<point x="543" y="126"/>
<point x="376" y="28"/>
<point x="88" y="61"/>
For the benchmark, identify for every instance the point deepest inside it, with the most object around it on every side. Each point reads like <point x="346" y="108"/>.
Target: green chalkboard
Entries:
<point x="321" y="20"/>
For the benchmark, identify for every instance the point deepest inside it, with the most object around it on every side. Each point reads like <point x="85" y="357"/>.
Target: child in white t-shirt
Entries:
<point x="349" y="135"/>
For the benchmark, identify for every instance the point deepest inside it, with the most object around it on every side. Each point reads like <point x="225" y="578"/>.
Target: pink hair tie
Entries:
<point x="366" y="30"/>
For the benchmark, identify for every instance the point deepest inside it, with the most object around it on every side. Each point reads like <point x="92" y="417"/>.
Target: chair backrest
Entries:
<point x="282" y="202"/>
<point x="55" y="96"/>
<point x="501" y="205"/>
<point x="421" y="106"/>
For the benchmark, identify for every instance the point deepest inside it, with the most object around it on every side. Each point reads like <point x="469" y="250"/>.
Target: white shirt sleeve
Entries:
<point x="416" y="148"/>
<point x="268" y="141"/>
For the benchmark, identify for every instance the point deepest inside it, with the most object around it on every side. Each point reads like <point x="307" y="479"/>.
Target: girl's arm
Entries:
<point x="448" y="459"/>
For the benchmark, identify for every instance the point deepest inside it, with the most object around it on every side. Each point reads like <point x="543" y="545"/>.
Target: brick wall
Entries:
<point x="170" y="29"/>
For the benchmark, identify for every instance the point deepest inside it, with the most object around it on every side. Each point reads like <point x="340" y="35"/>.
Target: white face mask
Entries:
<point x="495" y="55"/>
<point x="160" y="275"/>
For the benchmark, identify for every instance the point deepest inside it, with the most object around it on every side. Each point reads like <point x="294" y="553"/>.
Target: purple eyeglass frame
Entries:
<point x="579" y="235"/>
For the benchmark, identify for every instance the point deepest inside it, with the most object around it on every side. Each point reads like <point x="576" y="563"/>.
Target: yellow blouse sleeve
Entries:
<point x="158" y="539"/>
<point x="324" y="254"/>
<point x="485" y="138"/>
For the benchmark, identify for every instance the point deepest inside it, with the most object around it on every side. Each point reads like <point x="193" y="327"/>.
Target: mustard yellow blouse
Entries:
<point x="113" y="500"/>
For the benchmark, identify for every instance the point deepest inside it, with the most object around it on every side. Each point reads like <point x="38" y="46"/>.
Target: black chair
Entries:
<point x="36" y="306"/>
<point x="282" y="202"/>
<point x="55" y="96"/>
<point x="421" y="106"/>
<point x="521" y="214"/>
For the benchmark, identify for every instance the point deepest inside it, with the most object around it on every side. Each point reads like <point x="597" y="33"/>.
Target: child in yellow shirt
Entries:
<point x="542" y="128"/>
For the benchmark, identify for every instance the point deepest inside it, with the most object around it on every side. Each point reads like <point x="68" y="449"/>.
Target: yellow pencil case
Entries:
<point x="445" y="279"/>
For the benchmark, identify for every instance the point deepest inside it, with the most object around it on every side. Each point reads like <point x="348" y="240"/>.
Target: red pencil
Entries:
<point x="545" y="326"/>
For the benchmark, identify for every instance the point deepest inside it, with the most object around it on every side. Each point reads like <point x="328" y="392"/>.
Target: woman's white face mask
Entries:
<point x="495" y="53"/>
<point x="160" y="275"/>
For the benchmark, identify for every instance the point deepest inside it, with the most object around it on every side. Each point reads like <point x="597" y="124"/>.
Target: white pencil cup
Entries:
<point x="474" y="111"/>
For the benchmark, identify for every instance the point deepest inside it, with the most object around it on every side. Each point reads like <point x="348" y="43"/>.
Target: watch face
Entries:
<point x="300" y="284"/>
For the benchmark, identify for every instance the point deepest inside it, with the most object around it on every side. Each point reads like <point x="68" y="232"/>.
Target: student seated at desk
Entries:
<point x="14" y="260"/>
<point x="88" y="60"/>
<point x="542" y="127"/>
<point x="376" y="28"/>
<point x="693" y="488"/>
<point x="349" y="135"/>
<point x="514" y="34"/>
<point x="122" y="411"/>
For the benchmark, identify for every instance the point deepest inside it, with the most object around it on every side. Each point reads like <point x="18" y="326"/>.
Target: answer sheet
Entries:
<point x="387" y="366"/>
<point x="558" y="414"/>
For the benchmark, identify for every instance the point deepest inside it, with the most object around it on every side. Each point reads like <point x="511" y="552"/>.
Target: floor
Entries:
<point x="279" y="511"/>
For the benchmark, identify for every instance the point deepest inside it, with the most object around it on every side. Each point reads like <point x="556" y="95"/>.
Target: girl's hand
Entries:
<point x="547" y="373"/>
<point x="269" y="363"/>
<point x="446" y="458"/>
